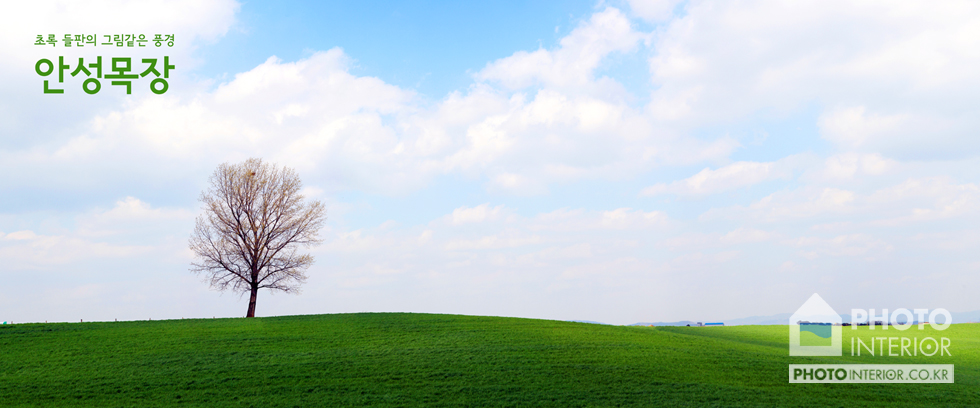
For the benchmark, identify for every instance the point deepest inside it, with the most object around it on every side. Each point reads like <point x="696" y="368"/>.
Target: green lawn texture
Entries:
<point x="427" y="360"/>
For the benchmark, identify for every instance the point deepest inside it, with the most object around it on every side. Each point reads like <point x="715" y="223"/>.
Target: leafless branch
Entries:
<point x="254" y="222"/>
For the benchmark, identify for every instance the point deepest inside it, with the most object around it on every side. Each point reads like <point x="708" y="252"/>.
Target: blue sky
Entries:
<point x="432" y="47"/>
<point x="614" y="161"/>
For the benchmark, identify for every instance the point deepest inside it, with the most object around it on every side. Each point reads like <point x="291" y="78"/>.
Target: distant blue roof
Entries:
<point x="714" y="324"/>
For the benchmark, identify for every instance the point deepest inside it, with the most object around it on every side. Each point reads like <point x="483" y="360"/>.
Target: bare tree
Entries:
<point x="254" y="222"/>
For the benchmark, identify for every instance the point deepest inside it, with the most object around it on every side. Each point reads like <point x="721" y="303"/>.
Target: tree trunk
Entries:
<point x="251" y="302"/>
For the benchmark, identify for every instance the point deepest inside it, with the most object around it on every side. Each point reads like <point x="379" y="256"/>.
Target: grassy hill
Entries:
<point x="395" y="359"/>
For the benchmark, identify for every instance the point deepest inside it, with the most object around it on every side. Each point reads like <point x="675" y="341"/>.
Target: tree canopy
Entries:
<point x="255" y="222"/>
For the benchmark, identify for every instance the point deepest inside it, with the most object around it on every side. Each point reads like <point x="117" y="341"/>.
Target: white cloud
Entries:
<point x="730" y="177"/>
<point x="806" y="203"/>
<point x="747" y="235"/>
<point x="359" y="132"/>
<point x="893" y="76"/>
<point x="506" y="240"/>
<point x="480" y="213"/>
<point x="852" y="128"/>
<point x="354" y="241"/>
<point x="618" y="219"/>
<point x="912" y="201"/>
<point x="129" y="231"/>
<point x="571" y="252"/>
<point x="695" y="241"/>
<point x="929" y="199"/>
<point x="571" y="66"/>
<point x="623" y="218"/>
<point x="27" y="250"/>
<point x="131" y="215"/>
<point x="653" y="10"/>
<point x="315" y="116"/>
<point x="847" y="166"/>
<point x="20" y="235"/>
<point x="850" y="245"/>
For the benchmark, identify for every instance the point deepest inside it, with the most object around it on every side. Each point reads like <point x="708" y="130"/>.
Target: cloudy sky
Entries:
<point x="615" y="161"/>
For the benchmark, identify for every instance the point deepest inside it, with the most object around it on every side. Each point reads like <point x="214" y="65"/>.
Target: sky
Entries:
<point x="613" y="161"/>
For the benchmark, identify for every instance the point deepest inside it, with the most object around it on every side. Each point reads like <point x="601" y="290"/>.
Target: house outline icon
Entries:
<point x="815" y="310"/>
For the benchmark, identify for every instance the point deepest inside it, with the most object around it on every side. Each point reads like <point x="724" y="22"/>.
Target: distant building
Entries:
<point x="714" y="324"/>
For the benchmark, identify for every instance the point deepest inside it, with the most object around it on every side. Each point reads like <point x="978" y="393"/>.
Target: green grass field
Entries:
<point x="396" y="359"/>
